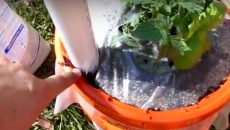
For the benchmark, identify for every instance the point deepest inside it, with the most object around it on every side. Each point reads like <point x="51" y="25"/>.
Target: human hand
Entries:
<point x="23" y="96"/>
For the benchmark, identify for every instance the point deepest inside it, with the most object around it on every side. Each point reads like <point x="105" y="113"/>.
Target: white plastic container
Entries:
<point x="19" y="42"/>
<point x="72" y="20"/>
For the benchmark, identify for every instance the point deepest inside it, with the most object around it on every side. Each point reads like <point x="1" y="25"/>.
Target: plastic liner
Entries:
<point x="135" y="78"/>
<point x="107" y="16"/>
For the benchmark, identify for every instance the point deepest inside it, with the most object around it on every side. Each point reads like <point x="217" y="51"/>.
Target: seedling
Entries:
<point x="177" y="27"/>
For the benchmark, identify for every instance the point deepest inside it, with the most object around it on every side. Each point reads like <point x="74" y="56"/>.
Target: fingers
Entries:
<point x="3" y="61"/>
<point x="57" y="83"/>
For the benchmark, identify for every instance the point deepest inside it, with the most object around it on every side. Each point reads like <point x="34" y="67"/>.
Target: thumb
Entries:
<point x="57" y="83"/>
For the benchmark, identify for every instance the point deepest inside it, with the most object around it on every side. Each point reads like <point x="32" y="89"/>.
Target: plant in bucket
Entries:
<point x="159" y="64"/>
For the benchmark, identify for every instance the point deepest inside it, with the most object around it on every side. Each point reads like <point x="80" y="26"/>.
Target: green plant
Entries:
<point x="171" y="25"/>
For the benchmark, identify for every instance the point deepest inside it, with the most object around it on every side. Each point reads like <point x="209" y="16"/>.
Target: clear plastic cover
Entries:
<point x="134" y="77"/>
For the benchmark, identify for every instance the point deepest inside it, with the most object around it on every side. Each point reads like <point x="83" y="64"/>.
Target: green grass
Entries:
<point x="35" y="13"/>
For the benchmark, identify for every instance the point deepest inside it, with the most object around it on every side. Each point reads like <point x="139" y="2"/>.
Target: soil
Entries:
<point x="135" y="78"/>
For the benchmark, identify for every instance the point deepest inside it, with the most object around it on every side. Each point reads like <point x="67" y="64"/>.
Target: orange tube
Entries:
<point x="111" y="114"/>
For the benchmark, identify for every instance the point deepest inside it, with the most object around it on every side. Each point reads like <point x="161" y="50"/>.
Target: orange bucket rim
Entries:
<point x="176" y="118"/>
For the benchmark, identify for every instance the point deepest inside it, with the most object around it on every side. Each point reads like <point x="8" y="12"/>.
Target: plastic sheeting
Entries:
<point x="134" y="77"/>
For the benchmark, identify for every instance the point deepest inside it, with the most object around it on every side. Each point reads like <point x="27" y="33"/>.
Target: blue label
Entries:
<point x="14" y="38"/>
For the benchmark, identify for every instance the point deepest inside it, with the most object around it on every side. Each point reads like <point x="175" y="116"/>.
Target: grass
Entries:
<point x="35" y="13"/>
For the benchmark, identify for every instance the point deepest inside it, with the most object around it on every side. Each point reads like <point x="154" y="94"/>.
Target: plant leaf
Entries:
<point x="115" y="39"/>
<point x="131" y="42"/>
<point x="179" y="44"/>
<point x="135" y="19"/>
<point x="147" y="31"/>
<point x="194" y="26"/>
<point x="213" y="15"/>
<point x="191" y="6"/>
<point x="153" y="2"/>
<point x="162" y="22"/>
<point x="167" y="8"/>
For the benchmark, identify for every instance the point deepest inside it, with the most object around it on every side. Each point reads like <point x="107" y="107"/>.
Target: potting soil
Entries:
<point x="134" y="77"/>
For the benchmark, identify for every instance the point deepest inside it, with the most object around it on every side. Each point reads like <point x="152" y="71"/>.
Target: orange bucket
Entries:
<point x="111" y="114"/>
